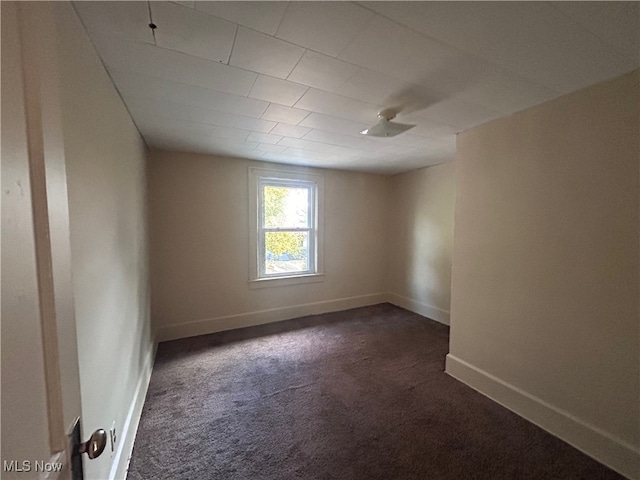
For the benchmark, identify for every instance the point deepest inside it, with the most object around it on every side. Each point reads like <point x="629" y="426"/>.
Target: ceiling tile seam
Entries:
<point x="253" y="84"/>
<point x="236" y="121"/>
<point x="275" y="37"/>
<point x="284" y="14"/>
<point x="261" y="33"/>
<point x="376" y="106"/>
<point x="357" y="69"/>
<point x="382" y="106"/>
<point x="233" y="45"/>
<point x="188" y="119"/>
<point x="594" y="34"/>
<point x="464" y="52"/>
<point x="127" y="40"/>
<point x="196" y="9"/>
<point x="306" y="49"/>
<point x="153" y="31"/>
<point x="204" y="88"/>
<point x="314" y="142"/>
<point x="275" y="124"/>
<point x="187" y="6"/>
<point x="270" y="102"/>
<point x="212" y="110"/>
<point x="306" y="89"/>
<point x="294" y="124"/>
<point x="106" y="70"/>
<point x="366" y="24"/>
<point x="196" y="86"/>
<point x="208" y="60"/>
<point x="380" y="143"/>
<point x="317" y="145"/>
<point x="328" y="142"/>
<point x="294" y="67"/>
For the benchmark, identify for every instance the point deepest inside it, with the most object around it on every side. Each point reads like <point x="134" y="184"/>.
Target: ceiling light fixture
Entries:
<point x="385" y="127"/>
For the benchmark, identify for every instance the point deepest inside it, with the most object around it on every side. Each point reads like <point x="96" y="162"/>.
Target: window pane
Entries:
<point x="286" y="207"/>
<point x="286" y="252"/>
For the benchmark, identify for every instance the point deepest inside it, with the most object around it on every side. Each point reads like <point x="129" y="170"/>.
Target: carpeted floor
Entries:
<point x="359" y="394"/>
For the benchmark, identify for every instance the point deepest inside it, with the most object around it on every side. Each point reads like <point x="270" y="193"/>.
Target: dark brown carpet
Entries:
<point x="359" y="394"/>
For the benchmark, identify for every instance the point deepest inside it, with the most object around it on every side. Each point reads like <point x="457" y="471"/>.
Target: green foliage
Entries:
<point x="274" y="198"/>
<point x="279" y="243"/>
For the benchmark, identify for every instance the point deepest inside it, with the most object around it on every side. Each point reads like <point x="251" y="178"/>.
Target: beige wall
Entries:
<point x="106" y="183"/>
<point x="200" y="246"/>
<point x="421" y="240"/>
<point x="545" y="314"/>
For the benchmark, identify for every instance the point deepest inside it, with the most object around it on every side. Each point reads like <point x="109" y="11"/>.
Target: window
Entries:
<point x="285" y="236"/>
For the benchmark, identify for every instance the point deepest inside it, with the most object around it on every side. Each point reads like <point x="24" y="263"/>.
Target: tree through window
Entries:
<point x="287" y="225"/>
<point x="287" y="233"/>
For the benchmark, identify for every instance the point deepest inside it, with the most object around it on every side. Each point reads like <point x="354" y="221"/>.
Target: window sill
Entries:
<point x="284" y="281"/>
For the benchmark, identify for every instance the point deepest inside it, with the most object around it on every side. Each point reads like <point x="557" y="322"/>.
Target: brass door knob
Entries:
<point x="95" y="445"/>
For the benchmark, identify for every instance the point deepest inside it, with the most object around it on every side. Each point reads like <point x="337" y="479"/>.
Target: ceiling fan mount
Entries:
<point x="385" y="127"/>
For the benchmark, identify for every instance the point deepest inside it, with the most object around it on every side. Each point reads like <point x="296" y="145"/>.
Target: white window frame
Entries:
<point x="314" y="182"/>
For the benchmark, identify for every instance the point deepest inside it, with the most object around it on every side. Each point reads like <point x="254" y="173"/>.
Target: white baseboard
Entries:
<point x="429" y="311"/>
<point x="607" y="449"/>
<point x="127" y="436"/>
<point x="248" y="319"/>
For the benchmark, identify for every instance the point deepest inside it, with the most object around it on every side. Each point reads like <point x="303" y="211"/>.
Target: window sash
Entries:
<point x="312" y="213"/>
<point x="262" y="259"/>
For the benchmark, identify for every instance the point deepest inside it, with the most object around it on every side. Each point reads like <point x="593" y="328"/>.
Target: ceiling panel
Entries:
<point x="158" y="90"/>
<point x="268" y="148"/>
<point x="185" y="30"/>
<point x="186" y="3"/>
<point x="370" y="86"/>
<point x="264" y="138"/>
<point x="145" y="107"/>
<point x="335" y="124"/>
<point x="338" y="106"/>
<point x="333" y="138"/>
<point x="321" y="71"/>
<point x="262" y="16"/>
<point x="456" y="112"/>
<point x="342" y="140"/>
<point x="311" y="154"/>
<point x="275" y="90"/>
<point x="176" y="141"/>
<point x="254" y="124"/>
<point x="152" y="124"/>
<point x="408" y="140"/>
<point x="431" y="129"/>
<point x="304" y="78"/>
<point x="386" y="47"/>
<point x="127" y="20"/>
<point x="264" y="54"/>
<point x="616" y="23"/>
<point x="305" y="158"/>
<point x="326" y="27"/>
<point x="278" y="113"/>
<point x="504" y="91"/>
<point x="206" y="144"/>
<point x="542" y="46"/>
<point x="319" y="147"/>
<point x="173" y="66"/>
<point x="290" y="130"/>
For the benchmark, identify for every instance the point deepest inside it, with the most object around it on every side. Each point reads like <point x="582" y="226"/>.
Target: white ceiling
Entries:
<point x="295" y="82"/>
